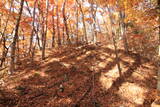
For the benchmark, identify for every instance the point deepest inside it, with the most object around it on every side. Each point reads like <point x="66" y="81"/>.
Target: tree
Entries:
<point x="93" y="14"/>
<point x="65" y="22"/>
<point x="55" y="22"/>
<point x="53" y="28"/>
<point x="83" y="20"/>
<point x="45" y="31"/>
<point x="31" y="48"/>
<point x="114" y="42"/>
<point x="158" y="83"/>
<point x="5" y="49"/>
<point x="58" y="29"/>
<point x="13" y="47"/>
<point x="123" y="26"/>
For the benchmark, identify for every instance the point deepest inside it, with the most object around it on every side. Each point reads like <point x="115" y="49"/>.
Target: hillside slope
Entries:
<point x="84" y="76"/>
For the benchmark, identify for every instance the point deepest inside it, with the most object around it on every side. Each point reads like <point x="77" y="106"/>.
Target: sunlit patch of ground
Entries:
<point x="59" y="102"/>
<point x="132" y="92"/>
<point x="52" y="59"/>
<point x="98" y="65"/>
<point x="102" y="64"/>
<point x="134" y="89"/>
<point x="139" y="76"/>
<point x="110" y="76"/>
<point x="16" y="81"/>
<point x="83" y="56"/>
<point x="66" y="64"/>
<point x="143" y="73"/>
<point x="103" y="57"/>
<point x="104" y="54"/>
<point x="73" y="67"/>
<point x="128" y="59"/>
<point x="107" y="78"/>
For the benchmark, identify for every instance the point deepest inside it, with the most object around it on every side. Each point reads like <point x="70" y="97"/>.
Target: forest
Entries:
<point x="79" y="53"/>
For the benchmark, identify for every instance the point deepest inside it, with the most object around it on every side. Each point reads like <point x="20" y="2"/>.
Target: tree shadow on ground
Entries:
<point x="71" y="79"/>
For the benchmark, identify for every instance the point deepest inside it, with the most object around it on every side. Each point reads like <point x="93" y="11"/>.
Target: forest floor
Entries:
<point x="81" y="76"/>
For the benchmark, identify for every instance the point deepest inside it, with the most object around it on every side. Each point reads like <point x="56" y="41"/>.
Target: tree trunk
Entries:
<point x="77" y="19"/>
<point x="45" y="31"/>
<point x="13" y="47"/>
<point x="159" y="25"/>
<point x="33" y="30"/>
<point x="5" y="49"/>
<point x="83" y="21"/>
<point x="53" y="32"/>
<point x="106" y="33"/>
<point x="114" y="43"/>
<point x="93" y="14"/>
<point x="58" y="30"/>
<point x="71" y="31"/>
<point x="37" y="37"/>
<point x="158" y="83"/>
<point x="65" y="22"/>
<point x="63" y="36"/>
<point x="123" y="29"/>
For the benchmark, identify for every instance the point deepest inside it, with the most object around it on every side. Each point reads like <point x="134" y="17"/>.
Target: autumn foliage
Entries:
<point x="35" y="32"/>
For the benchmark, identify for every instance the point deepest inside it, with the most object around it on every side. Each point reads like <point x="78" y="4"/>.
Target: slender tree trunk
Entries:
<point x="23" y="38"/>
<point x="63" y="36"/>
<point x="33" y="30"/>
<point x="71" y="32"/>
<point x="18" y="50"/>
<point x="58" y="30"/>
<point x="5" y="53"/>
<point x="53" y="32"/>
<point x="99" y="27"/>
<point x="37" y="37"/>
<point x="65" y="22"/>
<point x="83" y="21"/>
<point x="114" y="42"/>
<point x="93" y="14"/>
<point x="107" y="35"/>
<point x="13" y="47"/>
<point x="159" y="25"/>
<point x="45" y="32"/>
<point x="77" y="19"/>
<point x="5" y="49"/>
<point x="158" y="83"/>
<point x="123" y="30"/>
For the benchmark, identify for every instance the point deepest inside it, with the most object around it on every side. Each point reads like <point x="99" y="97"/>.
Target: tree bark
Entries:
<point x="45" y="31"/>
<point x="65" y="22"/>
<point x="123" y="30"/>
<point x="33" y="30"/>
<point x="77" y="26"/>
<point x="107" y="31"/>
<point x="93" y="14"/>
<point x="58" y="30"/>
<point x="158" y="83"/>
<point x="83" y="21"/>
<point x="159" y="25"/>
<point x="53" y="28"/>
<point x="13" y="47"/>
<point x="63" y="35"/>
<point x="114" y="43"/>
<point x="5" y="49"/>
